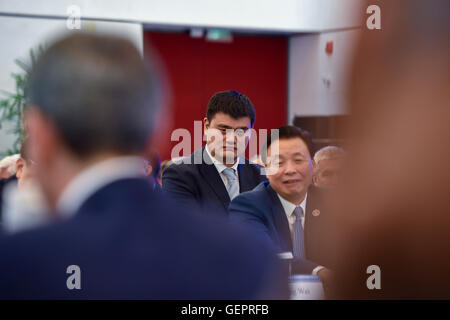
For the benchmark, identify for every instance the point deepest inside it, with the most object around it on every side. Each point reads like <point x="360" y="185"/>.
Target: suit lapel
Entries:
<point x="280" y="220"/>
<point x="245" y="178"/>
<point x="312" y="203"/>
<point x="215" y="182"/>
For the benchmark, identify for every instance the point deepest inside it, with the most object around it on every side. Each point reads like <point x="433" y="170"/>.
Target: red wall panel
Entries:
<point x="253" y="65"/>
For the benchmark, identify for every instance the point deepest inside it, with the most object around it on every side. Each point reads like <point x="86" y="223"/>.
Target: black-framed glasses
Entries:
<point x="239" y="132"/>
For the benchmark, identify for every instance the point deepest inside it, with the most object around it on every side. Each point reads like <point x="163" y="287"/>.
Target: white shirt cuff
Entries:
<point x="317" y="269"/>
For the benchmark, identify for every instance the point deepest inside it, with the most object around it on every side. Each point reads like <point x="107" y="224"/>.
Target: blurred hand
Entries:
<point x="327" y="276"/>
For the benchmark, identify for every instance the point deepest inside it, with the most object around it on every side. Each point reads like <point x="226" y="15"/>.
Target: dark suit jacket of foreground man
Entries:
<point x="261" y="209"/>
<point x="195" y="182"/>
<point x="130" y="243"/>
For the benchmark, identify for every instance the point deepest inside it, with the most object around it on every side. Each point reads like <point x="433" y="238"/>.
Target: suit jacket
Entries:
<point x="195" y="183"/>
<point x="130" y="243"/>
<point x="262" y="210"/>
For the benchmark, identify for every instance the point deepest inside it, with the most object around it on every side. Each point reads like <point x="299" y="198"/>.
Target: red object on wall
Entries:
<point x="329" y="47"/>
<point x="253" y="65"/>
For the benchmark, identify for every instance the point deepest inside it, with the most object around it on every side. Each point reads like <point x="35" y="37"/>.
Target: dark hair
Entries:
<point x="232" y="103"/>
<point x="98" y="92"/>
<point x="289" y="132"/>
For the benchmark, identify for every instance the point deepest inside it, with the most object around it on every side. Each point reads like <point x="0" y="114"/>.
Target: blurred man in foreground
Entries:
<point x="394" y="211"/>
<point x="329" y="161"/>
<point x="93" y="102"/>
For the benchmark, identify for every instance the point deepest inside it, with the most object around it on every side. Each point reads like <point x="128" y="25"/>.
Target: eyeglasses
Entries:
<point x="239" y="132"/>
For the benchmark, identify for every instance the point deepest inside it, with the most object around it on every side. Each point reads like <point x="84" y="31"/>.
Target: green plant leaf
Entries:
<point x="14" y="103"/>
<point x="25" y="67"/>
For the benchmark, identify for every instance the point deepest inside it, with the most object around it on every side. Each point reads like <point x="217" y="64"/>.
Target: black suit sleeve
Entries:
<point x="244" y="211"/>
<point x="248" y="211"/>
<point x="178" y="185"/>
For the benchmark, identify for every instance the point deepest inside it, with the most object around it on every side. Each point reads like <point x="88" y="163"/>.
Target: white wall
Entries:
<point x="309" y="67"/>
<point x="26" y="23"/>
<point x="19" y="35"/>
<point x="269" y="15"/>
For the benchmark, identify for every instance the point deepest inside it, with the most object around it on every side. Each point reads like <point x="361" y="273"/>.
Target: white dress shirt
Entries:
<point x="95" y="177"/>
<point x="289" y="208"/>
<point x="221" y="167"/>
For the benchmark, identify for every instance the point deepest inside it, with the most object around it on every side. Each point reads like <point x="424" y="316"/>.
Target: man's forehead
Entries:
<point x="288" y="147"/>
<point x="331" y="162"/>
<point x="223" y="119"/>
<point x="334" y="164"/>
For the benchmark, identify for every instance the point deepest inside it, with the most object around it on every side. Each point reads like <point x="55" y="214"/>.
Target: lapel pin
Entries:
<point x="316" y="212"/>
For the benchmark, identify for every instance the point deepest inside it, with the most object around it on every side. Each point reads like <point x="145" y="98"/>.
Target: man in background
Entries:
<point x="152" y="168"/>
<point x="24" y="206"/>
<point x="8" y="166"/>
<point x="286" y="208"/>
<point x="211" y="177"/>
<point x="164" y="165"/>
<point x="329" y="161"/>
<point x="93" y="102"/>
<point x="7" y="176"/>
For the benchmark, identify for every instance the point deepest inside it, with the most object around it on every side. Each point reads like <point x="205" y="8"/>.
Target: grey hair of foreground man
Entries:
<point x="98" y="92"/>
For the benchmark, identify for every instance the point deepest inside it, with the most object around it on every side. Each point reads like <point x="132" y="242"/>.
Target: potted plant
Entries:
<point x="13" y="104"/>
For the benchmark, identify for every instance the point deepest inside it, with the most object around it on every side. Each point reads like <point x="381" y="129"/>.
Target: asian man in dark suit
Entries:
<point x="213" y="175"/>
<point x="92" y="108"/>
<point x="286" y="208"/>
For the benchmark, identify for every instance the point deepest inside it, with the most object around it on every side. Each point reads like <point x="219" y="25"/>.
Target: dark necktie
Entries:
<point x="232" y="183"/>
<point x="298" y="238"/>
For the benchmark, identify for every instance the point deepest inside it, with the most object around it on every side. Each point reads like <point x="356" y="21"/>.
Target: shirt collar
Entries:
<point x="289" y="207"/>
<point x="95" y="177"/>
<point x="219" y="165"/>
